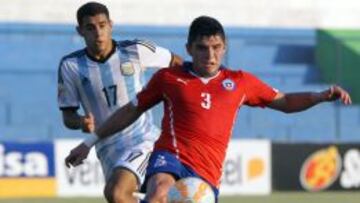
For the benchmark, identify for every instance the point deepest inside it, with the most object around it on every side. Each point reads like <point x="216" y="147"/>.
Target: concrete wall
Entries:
<point x="258" y="13"/>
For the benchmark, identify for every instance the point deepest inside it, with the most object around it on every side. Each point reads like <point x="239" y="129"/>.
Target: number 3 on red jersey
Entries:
<point x="206" y="102"/>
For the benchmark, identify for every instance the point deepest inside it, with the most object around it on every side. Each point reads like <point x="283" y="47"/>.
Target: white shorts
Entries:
<point x="134" y="158"/>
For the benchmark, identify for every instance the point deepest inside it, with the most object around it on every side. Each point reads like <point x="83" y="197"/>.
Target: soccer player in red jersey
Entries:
<point x="201" y="99"/>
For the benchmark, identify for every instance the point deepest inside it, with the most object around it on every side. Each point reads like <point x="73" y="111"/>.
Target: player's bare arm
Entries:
<point x="121" y="119"/>
<point x="295" y="102"/>
<point x="75" y="121"/>
<point x="176" y="60"/>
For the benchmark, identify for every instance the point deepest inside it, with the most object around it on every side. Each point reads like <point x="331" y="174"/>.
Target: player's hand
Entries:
<point x="87" y="123"/>
<point x="77" y="155"/>
<point x="335" y="92"/>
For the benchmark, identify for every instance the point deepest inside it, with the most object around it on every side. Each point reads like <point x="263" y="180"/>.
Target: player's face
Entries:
<point x="97" y="31"/>
<point x="207" y="53"/>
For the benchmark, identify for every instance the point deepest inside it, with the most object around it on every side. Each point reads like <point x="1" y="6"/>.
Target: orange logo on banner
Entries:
<point x="256" y="168"/>
<point x="321" y="169"/>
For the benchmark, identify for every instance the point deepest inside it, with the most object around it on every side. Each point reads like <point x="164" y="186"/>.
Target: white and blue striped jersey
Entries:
<point x="103" y="87"/>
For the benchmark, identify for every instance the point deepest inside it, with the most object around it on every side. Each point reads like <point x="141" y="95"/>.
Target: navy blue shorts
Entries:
<point x="165" y="162"/>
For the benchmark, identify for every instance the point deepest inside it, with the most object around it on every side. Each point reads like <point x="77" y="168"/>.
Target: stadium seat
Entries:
<point x="57" y="131"/>
<point x="3" y="113"/>
<point x="322" y="115"/>
<point x="260" y="123"/>
<point x="349" y="123"/>
<point x="35" y="112"/>
<point x="284" y="58"/>
<point x="258" y="48"/>
<point x="242" y="127"/>
<point x="350" y="115"/>
<point x="41" y="59"/>
<point x="312" y="133"/>
<point x="349" y="133"/>
<point x="24" y="133"/>
<point x="25" y="86"/>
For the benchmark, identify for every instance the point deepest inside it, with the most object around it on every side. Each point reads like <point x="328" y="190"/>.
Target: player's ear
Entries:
<point x="188" y="49"/>
<point x="225" y="48"/>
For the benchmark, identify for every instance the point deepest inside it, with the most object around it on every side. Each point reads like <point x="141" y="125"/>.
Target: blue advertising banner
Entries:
<point x="27" y="169"/>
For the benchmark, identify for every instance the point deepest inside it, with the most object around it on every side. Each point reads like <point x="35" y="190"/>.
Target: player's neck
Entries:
<point x="204" y="74"/>
<point x="101" y="55"/>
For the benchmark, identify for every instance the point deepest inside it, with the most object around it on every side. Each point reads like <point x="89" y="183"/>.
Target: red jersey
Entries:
<point x="199" y="113"/>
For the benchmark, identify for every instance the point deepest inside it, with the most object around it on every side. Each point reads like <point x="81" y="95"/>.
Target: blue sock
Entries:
<point x="143" y="201"/>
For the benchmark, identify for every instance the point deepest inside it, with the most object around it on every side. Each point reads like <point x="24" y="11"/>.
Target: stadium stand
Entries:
<point x="24" y="133"/>
<point x="3" y="113"/>
<point x="282" y="57"/>
<point x="349" y="123"/>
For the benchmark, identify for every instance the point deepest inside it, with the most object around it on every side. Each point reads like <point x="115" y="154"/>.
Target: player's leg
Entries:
<point x="124" y="168"/>
<point x="158" y="186"/>
<point x="162" y="172"/>
<point x="121" y="186"/>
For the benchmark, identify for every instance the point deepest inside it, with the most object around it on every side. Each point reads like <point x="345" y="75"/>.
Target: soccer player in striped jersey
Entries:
<point x="201" y="99"/>
<point x="100" y="78"/>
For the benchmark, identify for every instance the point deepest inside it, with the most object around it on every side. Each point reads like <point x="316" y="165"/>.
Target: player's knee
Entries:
<point x="159" y="193"/>
<point x="122" y="194"/>
<point x="158" y="187"/>
<point x="114" y="192"/>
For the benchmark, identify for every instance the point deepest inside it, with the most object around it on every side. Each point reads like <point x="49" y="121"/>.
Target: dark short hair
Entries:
<point x="205" y="26"/>
<point x="91" y="9"/>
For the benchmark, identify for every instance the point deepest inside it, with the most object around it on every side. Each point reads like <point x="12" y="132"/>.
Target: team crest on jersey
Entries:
<point x="127" y="68"/>
<point x="228" y="84"/>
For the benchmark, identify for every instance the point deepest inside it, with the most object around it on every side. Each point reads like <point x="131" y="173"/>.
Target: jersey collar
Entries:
<point x="189" y="69"/>
<point x="106" y="58"/>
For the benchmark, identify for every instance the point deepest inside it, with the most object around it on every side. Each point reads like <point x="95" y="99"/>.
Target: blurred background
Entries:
<point x="293" y="45"/>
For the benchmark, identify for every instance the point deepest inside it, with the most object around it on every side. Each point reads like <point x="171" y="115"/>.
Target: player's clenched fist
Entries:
<point x="87" y="123"/>
<point x="77" y="155"/>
